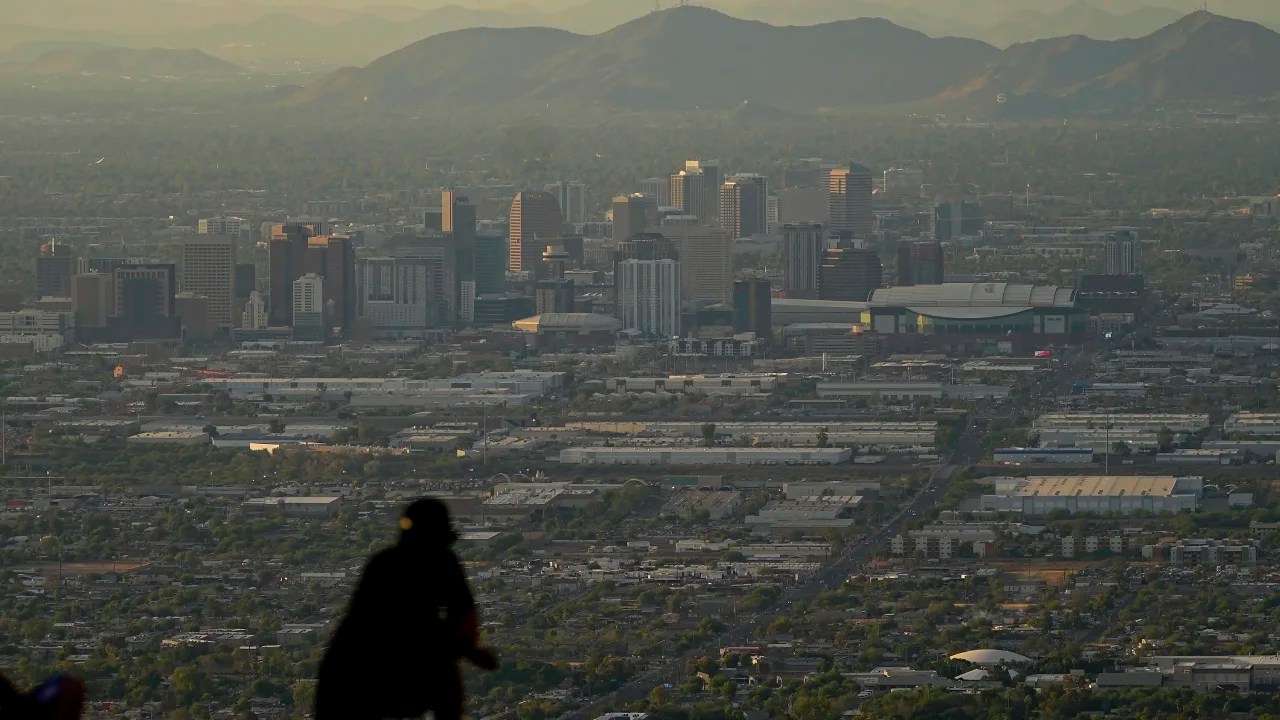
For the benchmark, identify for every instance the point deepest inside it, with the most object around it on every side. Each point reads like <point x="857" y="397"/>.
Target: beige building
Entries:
<point x="705" y="256"/>
<point x="209" y="269"/>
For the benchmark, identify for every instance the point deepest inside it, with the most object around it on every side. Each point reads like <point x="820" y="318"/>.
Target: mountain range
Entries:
<point x="695" y="58"/>
<point x="289" y="35"/>
<point x="87" y="59"/>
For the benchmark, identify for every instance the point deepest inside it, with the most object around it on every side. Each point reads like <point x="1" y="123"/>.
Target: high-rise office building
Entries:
<point x="287" y="250"/>
<point x="192" y="311"/>
<point x="231" y="226"/>
<point x="333" y="259"/>
<point x="1121" y="253"/>
<point x="553" y="293"/>
<point x="254" y="316"/>
<point x="459" y="222"/>
<point x="490" y="265"/>
<point x="649" y="296"/>
<point x="752" y="307"/>
<point x="744" y="205"/>
<point x="696" y="190"/>
<point x="902" y="183"/>
<point x="706" y="261"/>
<point x="209" y="269"/>
<point x="772" y="214"/>
<point x="90" y="293"/>
<point x="401" y="296"/>
<point x="299" y="249"/>
<point x="535" y="223"/>
<point x="849" y="273"/>
<point x="629" y="213"/>
<point x="657" y="188"/>
<point x="802" y="253"/>
<point x="920" y="263"/>
<point x="849" y="201"/>
<point x="144" y="296"/>
<point x="572" y="198"/>
<point x="952" y="220"/>
<point x="309" y="307"/>
<point x="55" y="266"/>
<point x="145" y="290"/>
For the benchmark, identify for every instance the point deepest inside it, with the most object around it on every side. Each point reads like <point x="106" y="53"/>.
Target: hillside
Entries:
<point x="151" y="62"/>
<point x="682" y="58"/>
<point x="1201" y="57"/>
<point x="1078" y="18"/>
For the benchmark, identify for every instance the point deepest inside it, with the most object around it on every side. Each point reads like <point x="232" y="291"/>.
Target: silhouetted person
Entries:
<point x="61" y="697"/>
<point x="410" y="621"/>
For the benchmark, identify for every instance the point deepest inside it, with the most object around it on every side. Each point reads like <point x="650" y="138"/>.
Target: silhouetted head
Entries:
<point x="426" y="522"/>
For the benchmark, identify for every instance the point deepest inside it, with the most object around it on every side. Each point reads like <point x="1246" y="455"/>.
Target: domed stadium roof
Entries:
<point x="568" y="322"/>
<point x="988" y="656"/>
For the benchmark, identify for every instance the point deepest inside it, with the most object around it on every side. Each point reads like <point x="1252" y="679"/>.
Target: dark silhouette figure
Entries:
<point x="411" y="620"/>
<point x="61" y="697"/>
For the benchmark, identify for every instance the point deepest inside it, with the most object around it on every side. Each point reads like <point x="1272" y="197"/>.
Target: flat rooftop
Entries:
<point x="1097" y="485"/>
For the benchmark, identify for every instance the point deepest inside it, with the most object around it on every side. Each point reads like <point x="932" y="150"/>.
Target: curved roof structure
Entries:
<point x="568" y="322"/>
<point x="975" y="295"/>
<point x="988" y="656"/>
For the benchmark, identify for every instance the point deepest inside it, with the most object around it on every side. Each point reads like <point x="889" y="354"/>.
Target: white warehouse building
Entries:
<point x="704" y="456"/>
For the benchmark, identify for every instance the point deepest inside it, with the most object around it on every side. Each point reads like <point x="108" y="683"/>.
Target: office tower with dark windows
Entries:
<point x="535" y="222"/>
<point x="90" y="295"/>
<point x="629" y="219"/>
<point x="572" y="198"/>
<point x="299" y="249"/>
<point x="952" y="220"/>
<point x="752" y="307"/>
<point x="849" y="201"/>
<point x="920" y="263"/>
<point x="744" y="205"/>
<point x="802" y="253"/>
<point x="209" y="270"/>
<point x="658" y="189"/>
<point x="696" y="190"/>
<point x="491" y="265"/>
<point x="55" y="265"/>
<point x="849" y="273"/>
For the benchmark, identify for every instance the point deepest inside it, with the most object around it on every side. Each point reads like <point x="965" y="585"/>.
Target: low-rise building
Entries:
<point x="704" y="456"/>
<point x="1099" y="494"/>
<point x="1205" y="552"/>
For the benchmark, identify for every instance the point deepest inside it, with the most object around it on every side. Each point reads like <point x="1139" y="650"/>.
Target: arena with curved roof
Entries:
<point x="976" y="309"/>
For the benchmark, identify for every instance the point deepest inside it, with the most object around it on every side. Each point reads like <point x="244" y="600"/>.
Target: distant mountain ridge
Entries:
<point x="146" y="62"/>
<point x="695" y="58"/>
<point x="682" y="58"/>
<point x="1201" y="57"/>
<point x="323" y="34"/>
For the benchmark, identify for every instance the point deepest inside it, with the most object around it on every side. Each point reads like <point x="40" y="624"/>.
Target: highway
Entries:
<point x="857" y="554"/>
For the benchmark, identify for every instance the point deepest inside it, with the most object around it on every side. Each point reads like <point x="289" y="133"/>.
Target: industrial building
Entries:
<point x="1140" y="431"/>
<point x="695" y="384"/>
<point x="811" y="514"/>
<point x="517" y="382"/>
<point x="907" y="391"/>
<point x="703" y="456"/>
<point x="1097" y="494"/>
<point x="1043" y="456"/>
<point x="1252" y="424"/>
